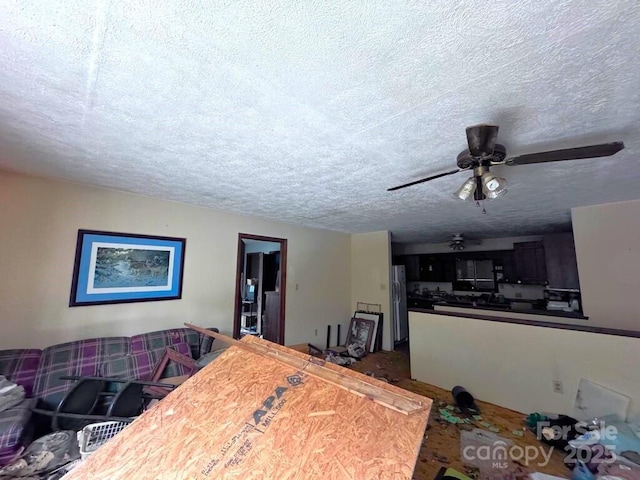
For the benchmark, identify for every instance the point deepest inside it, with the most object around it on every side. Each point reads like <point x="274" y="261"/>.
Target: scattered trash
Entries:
<point x="472" y="472"/>
<point x="356" y="350"/>
<point x="619" y="439"/>
<point x="44" y="455"/>
<point x="581" y="472"/>
<point x="441" y="458"/>
<point x="470" y="441"/>
<point x="518" y="433"/>
<point x="618" y="470"/>
<point x="340" y="360"/>
<point x="449" y="417"/>
<point x="554" y="430"/>
<point x="463" y="399"/>
<point x="371" y="374"/>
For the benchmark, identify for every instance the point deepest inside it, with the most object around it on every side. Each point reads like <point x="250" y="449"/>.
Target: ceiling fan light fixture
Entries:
<point x="456" y="246"/>
<point x="493" y="186"/>
<point x="467" y="189"/>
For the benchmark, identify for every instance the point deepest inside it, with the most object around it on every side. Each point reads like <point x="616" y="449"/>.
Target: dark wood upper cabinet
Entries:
<point x="562" y="266"/>
<point x="431" y="268"/>
<point x="412" y="267"/>
<point x="526" y="263"/>
<point x="428" y="268"/>
<point x="448" y="268"/>
<point x="508" y="266"/>
<point x="530" y="263"/>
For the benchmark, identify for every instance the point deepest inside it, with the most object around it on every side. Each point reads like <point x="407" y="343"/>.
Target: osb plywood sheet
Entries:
<point x="249" y="416"/>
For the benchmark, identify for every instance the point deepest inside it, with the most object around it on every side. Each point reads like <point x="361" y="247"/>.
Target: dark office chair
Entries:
<point x="87" y="399"/>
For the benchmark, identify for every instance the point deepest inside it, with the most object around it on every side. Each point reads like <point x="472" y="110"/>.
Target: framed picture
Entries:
<point x="361" y="332"/>
<point x="121" y="267"/>
<point x="171" y="355"/>
<point x="376" y="318"/>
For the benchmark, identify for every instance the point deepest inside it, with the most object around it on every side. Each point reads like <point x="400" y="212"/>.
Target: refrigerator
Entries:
<point x="399" y="296"/>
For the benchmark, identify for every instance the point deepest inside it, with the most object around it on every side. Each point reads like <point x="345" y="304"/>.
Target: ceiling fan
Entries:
<point x="458" y="242"/>
<point x="484" y="152"/>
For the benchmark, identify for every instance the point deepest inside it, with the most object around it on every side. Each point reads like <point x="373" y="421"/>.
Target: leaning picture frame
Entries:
<point x="122" y="267"/>
<point x="361" y="332"/>
<point x="171" y="355"/>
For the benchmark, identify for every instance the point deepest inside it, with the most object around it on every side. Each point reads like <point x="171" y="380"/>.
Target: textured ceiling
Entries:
<point x="308" y="111"/>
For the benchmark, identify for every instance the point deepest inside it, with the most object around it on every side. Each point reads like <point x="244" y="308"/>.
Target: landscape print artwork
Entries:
<point x="131" y="267"/>
<point x="119" y="267"/>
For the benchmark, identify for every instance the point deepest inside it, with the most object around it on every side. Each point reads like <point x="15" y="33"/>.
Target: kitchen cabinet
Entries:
<point x="431" y="268"/>
<point x="561" y="262"/>
<point x="508" y="267"/>
<point x="412" y="267"/>
<point x="448" y="268"/>
<point x="530" y="264"/>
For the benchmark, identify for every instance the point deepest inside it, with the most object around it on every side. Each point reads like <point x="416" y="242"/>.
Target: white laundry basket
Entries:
<point x="93" y="436"/>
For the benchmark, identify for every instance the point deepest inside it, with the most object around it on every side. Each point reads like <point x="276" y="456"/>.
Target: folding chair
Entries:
<point x="82" y="403"/>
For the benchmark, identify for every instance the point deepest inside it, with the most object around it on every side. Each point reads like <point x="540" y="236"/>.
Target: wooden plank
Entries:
<point x="251" y="416"/>
<point x="314" y="366"/>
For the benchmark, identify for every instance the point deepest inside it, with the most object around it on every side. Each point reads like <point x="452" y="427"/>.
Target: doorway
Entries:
<point x="261" y="280"/>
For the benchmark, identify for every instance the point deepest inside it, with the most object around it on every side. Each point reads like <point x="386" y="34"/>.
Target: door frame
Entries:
<point x="283" y="281"/>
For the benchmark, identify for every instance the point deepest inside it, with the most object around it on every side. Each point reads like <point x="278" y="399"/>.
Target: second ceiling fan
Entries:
<point x="484" y="152"/>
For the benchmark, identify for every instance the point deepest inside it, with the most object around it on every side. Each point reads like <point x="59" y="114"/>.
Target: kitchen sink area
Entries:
<point x="485" y="302"/>
<point x="536" y="276"/>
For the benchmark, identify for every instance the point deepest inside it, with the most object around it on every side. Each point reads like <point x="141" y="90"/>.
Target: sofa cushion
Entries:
<point x="140" y="365"/>
<point x="165" y="338"/>
<point x="14" y="428"/>
<point x="82" y="358"/>
<point x="20" y="366"/>
<point x="206" y="343"/>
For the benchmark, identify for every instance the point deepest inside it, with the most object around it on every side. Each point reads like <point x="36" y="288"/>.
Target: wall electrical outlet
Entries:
<point x="316" y="332"/>
<point x="557" y="386"/>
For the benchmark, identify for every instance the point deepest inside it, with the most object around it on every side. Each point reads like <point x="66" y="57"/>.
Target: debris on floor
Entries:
<point x="339" y="359"/>
<point x="290" y="432"/>
<point x="442" y="439"/>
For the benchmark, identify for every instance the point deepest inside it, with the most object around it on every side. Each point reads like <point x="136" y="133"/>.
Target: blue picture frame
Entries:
<point x="122" y="267"/>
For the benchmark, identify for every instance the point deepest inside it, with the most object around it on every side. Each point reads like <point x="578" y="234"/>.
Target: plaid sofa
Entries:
<point x="20" y="366"/>
<point x="39" y="371"/>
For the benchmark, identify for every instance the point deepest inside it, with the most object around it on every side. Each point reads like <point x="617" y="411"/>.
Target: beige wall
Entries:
<point x="40" y="219"/>
<point x="370" y="276"/>
<point x="607" y="239"/>
<point x="514" y="365"/>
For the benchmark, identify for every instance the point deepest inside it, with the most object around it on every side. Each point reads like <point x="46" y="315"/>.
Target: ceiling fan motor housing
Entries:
<point x="465" y="161"/>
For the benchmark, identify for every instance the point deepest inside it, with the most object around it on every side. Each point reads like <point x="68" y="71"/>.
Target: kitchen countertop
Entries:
<point x="536" y="323"/>
<point x="484" y="303"/>
<point x="507" y="308"/>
